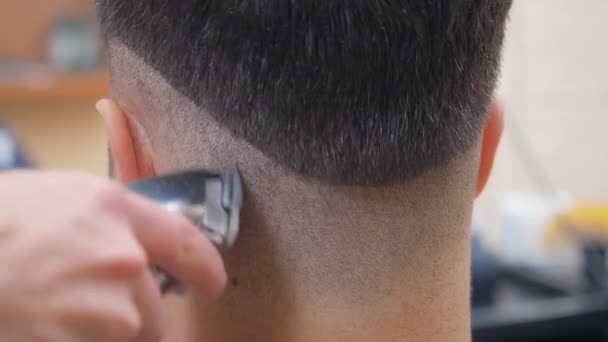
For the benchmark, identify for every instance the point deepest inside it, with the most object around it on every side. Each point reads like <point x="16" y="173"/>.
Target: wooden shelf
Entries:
<point x="53" y="87"/>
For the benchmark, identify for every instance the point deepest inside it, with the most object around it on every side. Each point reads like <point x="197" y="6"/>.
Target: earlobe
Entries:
<point x="491" y="139"/>
<point x="129" y="159"/>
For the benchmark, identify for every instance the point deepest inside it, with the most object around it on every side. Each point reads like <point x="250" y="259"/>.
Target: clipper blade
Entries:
<point x="212" y="201"/>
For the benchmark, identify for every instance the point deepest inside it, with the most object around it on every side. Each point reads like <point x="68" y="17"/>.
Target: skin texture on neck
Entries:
<point x="320" y="262"/>
<point x="330" y="264"/>
<point x="326" y="263"/>
<point x="315" y="261"/>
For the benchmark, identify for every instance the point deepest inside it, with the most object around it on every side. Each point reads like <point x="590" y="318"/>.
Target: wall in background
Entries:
<point x="555" y="86"/>
<point x="52" y="112"/>
<point x="61" y="135"/>
<point x="25" y="25"/>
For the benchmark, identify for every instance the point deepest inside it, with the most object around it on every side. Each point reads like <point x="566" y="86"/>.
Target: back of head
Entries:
<point x="357" y="91"/>
<point x="357" y="124"/>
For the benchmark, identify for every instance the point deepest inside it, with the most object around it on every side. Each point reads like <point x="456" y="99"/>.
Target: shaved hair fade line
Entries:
<point x="356" y="92"/>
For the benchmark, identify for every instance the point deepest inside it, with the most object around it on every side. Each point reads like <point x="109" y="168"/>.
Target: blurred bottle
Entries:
<point x="523" y="222"/>
<point x="11" y="155"/>
<point x="74" y="45"/>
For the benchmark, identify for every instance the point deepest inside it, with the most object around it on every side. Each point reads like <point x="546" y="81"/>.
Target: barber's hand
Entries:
<point x="74" y="257"/>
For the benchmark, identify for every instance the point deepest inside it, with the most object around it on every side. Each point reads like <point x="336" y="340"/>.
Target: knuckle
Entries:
<point x="116" y="322"/>
<point x="127" y="326"/>
<point x="129" y="261"/>
<point x="120" y="254"/>
<point x="107" y="196"/>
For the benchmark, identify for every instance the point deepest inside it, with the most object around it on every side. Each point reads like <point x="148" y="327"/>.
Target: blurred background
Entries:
<point x="540" y="227"/>
<point x="51" y="73"/>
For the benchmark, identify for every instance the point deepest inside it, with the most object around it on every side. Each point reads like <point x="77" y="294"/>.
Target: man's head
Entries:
<point x="363" y="128"/>
<point x="362" y="92"/>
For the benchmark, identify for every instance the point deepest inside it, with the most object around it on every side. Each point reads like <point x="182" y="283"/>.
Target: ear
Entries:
<point x="491" y="138"/>
<point x="129" y="144"/>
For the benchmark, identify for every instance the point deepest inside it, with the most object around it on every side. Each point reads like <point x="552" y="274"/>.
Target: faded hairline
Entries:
<point x="371" y="100"/>
<point x="386" y="231"/>
<point x="185" y="135"/>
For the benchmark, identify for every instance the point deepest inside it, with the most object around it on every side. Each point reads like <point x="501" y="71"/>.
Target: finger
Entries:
<point x="97" y="309"/>
<point x="149" y="302"/>
<point x="177" y="246"/>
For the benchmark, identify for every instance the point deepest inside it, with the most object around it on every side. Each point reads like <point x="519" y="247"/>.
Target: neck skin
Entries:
<point x="314" y="261"/>
<point x="318" y="262"/>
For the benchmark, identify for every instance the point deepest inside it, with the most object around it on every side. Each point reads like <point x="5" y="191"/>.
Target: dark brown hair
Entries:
<point x="352" y="91"/>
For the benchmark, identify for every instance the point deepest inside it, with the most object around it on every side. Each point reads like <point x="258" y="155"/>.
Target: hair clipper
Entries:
<point x="212" y="201"/>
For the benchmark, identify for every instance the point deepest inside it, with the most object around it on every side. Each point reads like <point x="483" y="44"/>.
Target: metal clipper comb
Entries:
<point x="212" y="201"/>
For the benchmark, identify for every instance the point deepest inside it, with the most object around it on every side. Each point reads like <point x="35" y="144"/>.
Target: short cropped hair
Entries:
<point x="350" y="91"/>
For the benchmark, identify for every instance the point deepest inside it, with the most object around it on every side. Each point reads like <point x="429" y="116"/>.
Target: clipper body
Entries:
<point x="211" y="201"/>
